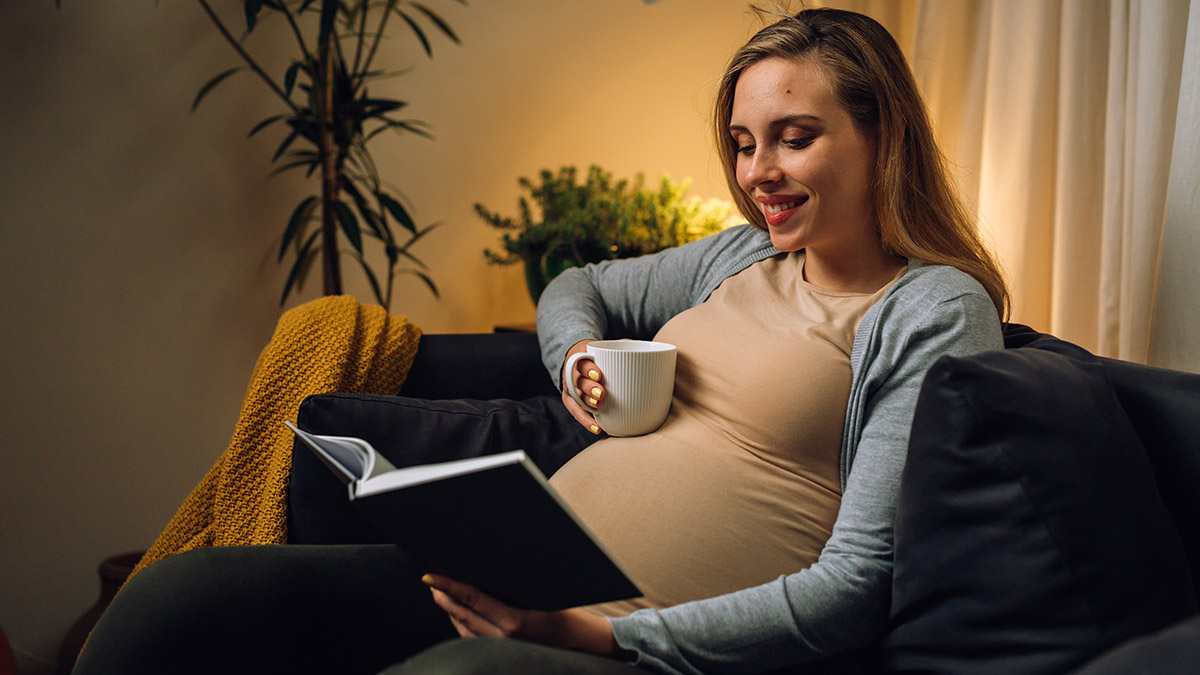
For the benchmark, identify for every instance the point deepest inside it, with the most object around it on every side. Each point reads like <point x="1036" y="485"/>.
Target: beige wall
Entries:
<point x="137" y="237"/>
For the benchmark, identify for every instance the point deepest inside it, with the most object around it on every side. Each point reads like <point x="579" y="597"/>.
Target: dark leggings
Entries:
<point x="298" y="609"/>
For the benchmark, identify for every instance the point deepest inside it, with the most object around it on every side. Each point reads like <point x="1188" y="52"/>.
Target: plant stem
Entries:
<point x="387" y="297"/>
<point x="330" y="267"/>
<point x="246" y="56"/>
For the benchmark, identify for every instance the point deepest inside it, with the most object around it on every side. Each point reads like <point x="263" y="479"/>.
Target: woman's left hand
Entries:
<point x="476" y="614"/>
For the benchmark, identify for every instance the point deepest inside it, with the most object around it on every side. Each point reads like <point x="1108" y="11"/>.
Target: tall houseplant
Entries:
<point x="330" y="117"/>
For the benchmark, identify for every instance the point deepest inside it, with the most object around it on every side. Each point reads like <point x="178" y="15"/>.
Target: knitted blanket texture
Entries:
<point x="333" y="344"/>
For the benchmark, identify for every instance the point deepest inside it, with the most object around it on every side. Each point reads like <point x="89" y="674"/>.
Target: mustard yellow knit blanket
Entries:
<point x="330" y="344"/>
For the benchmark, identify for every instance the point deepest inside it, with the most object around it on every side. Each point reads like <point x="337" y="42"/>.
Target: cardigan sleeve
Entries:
<point x="840" y="603"/>
<point x="634" y="297"/>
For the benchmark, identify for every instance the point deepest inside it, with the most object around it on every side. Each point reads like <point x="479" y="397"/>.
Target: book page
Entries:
<point x="349" y="458"/>
<point x="416" y="475"/>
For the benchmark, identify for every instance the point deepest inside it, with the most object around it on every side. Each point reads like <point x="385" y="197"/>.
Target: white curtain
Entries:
<point x="1174" y="336"/>
<point x="1060" y="116"/>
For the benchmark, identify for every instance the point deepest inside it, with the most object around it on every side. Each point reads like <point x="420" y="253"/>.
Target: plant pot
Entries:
<point x="539" y="272"/>
<point x="113" y="570"/>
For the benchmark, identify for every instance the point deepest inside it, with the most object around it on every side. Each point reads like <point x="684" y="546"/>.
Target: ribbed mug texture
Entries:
<point x="639" y="380"/>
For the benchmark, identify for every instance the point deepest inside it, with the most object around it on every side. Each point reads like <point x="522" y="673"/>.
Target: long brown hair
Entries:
<point x="917" y="207"/>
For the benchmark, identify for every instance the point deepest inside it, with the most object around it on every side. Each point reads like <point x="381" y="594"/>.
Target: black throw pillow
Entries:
<point x="1030" y="535"/>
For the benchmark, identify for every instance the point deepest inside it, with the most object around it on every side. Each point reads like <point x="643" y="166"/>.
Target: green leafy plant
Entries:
<point x="599" y="219"/>
<point x="330" y="116"/>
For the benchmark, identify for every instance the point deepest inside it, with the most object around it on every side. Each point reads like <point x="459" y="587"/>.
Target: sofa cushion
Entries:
<point x="1164" y="406"/>
<point x="1170" y="651"/>
<point x="1030" y="535"/>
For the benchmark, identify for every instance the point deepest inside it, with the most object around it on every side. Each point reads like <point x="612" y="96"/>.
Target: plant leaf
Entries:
<point x="253" y="7"/>
<point x="300" y="268"/>
<point x="424" y="277"/>
<point x="412" y="258"/>
<point x="284" y="145"/>
<point x="416" y="31"/>
<point x="411" y="126"/>
<point x="375" y="107"/>
<point x="371" y="278"/>
<point x="349" y="225"/>
<point x="368" y="214"/>
<point x="300" y="216"/>
<point x="442" y="25"/>
<point x="208" y="86"/>
<point x="289" y="77"/>
<point x="398" y="211"/>
<point x="265" y="123"/>
<point x="312" y="164"/>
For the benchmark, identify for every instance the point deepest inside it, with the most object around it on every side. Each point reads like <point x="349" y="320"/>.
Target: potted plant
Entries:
<point x="599" y="219"/>
<point x="331" y="116"/>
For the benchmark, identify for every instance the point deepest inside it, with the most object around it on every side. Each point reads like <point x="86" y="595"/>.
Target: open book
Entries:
<point x="492" y="522"/>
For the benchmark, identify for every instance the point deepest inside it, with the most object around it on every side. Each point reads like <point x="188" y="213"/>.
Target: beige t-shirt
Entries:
<point x="740" y="484"/>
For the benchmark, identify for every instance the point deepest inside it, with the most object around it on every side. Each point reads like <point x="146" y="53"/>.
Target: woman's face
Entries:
<point x="802" y="160"/>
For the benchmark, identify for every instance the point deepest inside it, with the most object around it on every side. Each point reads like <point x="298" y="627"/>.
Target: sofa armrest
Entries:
<point x="480" y="366"/>
<point x="448" y="368"/>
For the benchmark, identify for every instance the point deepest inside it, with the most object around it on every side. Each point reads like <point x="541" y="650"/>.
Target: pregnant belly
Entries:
<point x="690" y="517"/>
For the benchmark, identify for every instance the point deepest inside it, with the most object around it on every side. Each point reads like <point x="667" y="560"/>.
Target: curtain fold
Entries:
<point x="1080" y="151"/>
<point x="1176" y="321"/>
<point x="1060" y="118"/>
<point x="1147" y="42"/>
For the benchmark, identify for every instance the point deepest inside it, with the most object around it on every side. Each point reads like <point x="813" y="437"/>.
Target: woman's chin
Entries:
<point x="786" y="239"/>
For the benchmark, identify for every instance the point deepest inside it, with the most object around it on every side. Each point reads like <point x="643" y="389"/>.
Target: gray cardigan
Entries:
<point x="840" y="603"/>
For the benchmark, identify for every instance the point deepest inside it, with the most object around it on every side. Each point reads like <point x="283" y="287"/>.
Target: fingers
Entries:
<point x="465" y="621"/>
<point x="473" y="612"/>
<point x="590" y="384"/>
<point x="580" y="415"/>
<point x="592" y="392"/>
<point x="462" y="629"/>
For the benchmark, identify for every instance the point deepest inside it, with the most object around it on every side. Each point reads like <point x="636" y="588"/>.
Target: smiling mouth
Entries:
<point x="784" y="206"/>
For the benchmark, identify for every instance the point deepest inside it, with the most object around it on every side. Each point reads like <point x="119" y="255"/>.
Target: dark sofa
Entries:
<point x="1049" y="517"/>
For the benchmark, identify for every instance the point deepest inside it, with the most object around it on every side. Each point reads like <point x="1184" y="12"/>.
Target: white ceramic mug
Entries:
<point x="639" y="379"/>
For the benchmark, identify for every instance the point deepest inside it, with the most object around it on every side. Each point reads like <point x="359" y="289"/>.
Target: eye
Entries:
<point x="746" y="150"/>
<point x="798" y="143"/>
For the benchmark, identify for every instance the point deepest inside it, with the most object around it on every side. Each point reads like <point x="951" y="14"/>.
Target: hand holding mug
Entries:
<point x="626" y="384"/>
<point x="583" y="371"/>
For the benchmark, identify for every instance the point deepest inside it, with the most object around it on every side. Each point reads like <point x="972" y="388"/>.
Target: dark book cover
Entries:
<point x="492" y="522"/>
<point x="503" y="532"/>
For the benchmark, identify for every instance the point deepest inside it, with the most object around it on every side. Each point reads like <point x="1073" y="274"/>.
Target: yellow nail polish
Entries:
<point x="592" y="402"/>
<point x="596" y="391"/>
<point x="595" y="429"/>
<point x="594" y="374"/>
<point x="427" y="580"/>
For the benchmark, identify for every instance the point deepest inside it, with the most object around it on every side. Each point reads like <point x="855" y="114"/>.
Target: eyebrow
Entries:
<point x="782" y="122"/>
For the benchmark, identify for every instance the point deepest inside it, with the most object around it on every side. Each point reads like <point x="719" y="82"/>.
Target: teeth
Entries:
<point x="780" y="208"/>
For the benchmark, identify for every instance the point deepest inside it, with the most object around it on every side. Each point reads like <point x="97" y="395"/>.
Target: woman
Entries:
<point x="803" y="340"/>
<point x="826" y="147"/>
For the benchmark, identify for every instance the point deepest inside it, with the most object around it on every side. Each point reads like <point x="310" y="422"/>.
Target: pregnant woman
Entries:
<point x="758" y="518"/>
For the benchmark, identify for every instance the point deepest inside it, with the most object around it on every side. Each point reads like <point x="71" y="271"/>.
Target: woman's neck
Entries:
<point x="864" y="271"/>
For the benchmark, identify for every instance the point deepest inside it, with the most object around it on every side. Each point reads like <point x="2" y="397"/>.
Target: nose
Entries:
<point x="760" y="168"/>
